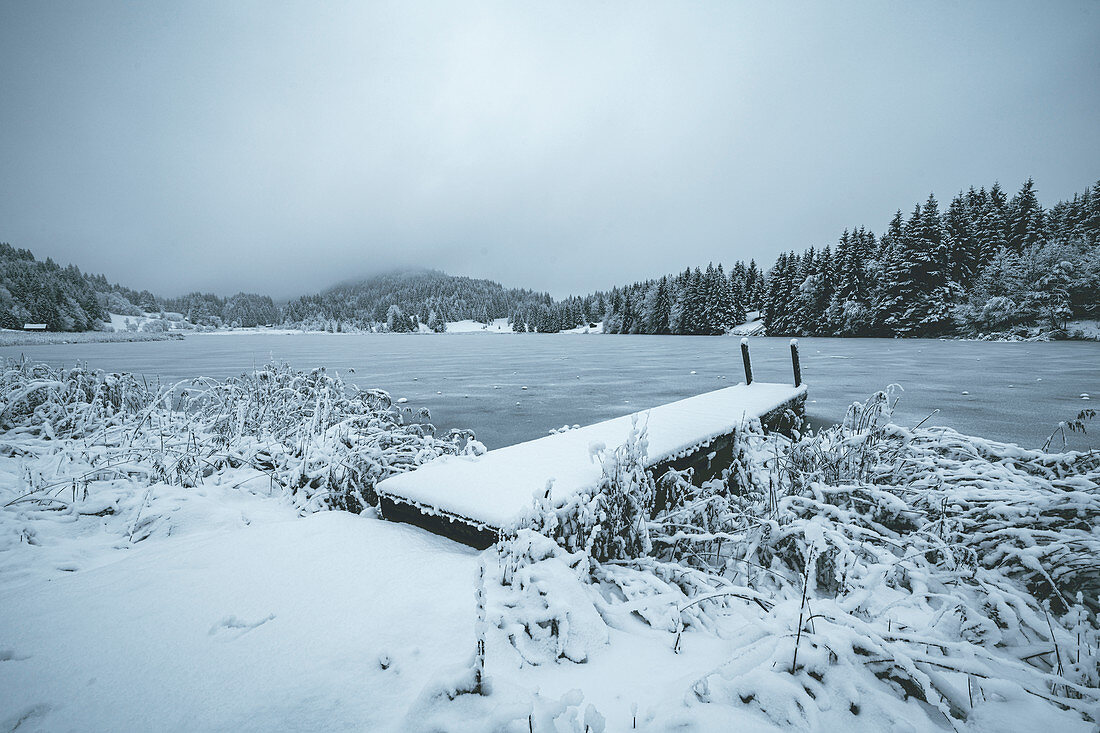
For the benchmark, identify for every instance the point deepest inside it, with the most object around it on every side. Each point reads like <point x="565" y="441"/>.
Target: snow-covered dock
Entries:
<point x="473" y="498"/>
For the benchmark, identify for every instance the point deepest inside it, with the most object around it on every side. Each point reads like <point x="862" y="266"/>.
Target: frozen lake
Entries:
<point x="1006" y="391"/>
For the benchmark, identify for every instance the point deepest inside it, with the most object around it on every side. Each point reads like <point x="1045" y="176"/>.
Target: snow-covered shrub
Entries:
<point x="69" y="403"/>
<point x="311" y="438"/>
<point x="611" y="521"/>
<point x="328" y="439"/>
<point x="868" y="572"/>
<point x="547" y="611"/>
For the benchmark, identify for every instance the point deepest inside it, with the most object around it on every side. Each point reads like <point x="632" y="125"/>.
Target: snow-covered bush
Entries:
<point x="546" y="613"/>
<point x="866" y="570"/>
<point x="312" y="438"/>
<point x="611" y="521"/>
<point x="332" y="441"/>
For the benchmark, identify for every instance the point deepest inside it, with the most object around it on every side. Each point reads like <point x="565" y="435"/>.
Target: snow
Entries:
<point x="754" y="326"/>
<point x="496" y="487"/>
<point x="598" y="328"/>
<point x="131" y="599"/>
<point x="501" y="325"/>
<point x="275" y="626"/>
<point x="121" y="323"/>
<point x="498" y="325"/>
<point x="264" y="330"/>
<point x="333" y="621"/>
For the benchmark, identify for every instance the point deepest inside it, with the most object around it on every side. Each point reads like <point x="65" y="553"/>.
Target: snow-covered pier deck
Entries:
<point x="473" y="498"/>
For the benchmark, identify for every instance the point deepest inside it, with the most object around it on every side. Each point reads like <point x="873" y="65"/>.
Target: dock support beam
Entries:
<point x="745" y="358"/>
<point x="795" y="364"/>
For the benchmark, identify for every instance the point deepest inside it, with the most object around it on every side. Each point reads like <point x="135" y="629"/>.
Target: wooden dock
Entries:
<point x="473" y="499"/>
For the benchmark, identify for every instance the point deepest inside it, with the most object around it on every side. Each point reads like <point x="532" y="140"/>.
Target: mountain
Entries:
<point x="403" y="298"/>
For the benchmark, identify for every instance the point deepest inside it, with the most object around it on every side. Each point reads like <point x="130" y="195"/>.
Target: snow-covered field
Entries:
<point x="499" y="325"/>
<point x="187" y="571"/>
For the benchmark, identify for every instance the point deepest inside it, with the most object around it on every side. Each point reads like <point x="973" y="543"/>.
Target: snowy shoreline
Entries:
<point x="1076" y="331"/>
<point x="25" y="338"/>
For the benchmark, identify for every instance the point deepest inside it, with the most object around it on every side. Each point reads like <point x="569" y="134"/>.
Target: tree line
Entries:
<point x="62" y="298"/>
<point x="988" y="264"/>
<point x="66" y="299"/>
<point x="694" y="302"/>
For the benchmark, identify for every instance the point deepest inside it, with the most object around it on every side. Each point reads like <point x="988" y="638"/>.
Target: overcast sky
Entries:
<point x="279" y="147"/>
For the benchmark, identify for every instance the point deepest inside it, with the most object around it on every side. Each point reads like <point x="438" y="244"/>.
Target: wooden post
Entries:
<point x="795" y="364"/>
<point x="745" y="358"/>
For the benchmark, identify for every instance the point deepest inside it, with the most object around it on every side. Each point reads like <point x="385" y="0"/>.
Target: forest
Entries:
<point x="988" y="265"/>
<point x="402" y="300"/>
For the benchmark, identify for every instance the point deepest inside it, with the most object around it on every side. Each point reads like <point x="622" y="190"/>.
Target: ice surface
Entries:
<point x="495" y="488"/>
<point x="585" y="380"/>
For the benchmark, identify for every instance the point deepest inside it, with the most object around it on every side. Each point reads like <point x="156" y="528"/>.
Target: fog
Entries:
<point x="562" y="146"/>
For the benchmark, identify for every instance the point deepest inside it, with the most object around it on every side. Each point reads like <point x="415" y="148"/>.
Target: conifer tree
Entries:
<point x="1025" y="218"/>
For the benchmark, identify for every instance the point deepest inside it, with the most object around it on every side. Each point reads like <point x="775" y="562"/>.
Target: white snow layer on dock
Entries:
<point x="497" y="487"/>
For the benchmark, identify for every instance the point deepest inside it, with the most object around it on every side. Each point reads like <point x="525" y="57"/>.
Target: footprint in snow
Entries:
<point x="232" y="627"/>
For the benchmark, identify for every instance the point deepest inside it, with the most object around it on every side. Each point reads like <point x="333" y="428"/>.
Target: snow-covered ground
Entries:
<point x="598" y="328"/>
<point x="148" y="322"/>
<point x="42" y="338"/>
<point x="499" y="325"/>
<point x="263" y="330"/>
<point x="328" y="622"/>
<point x="332" y="621"/>
<point x="247" y="617"/>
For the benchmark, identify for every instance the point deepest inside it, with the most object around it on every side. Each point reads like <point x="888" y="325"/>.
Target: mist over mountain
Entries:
<point x="402" y="298"/>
